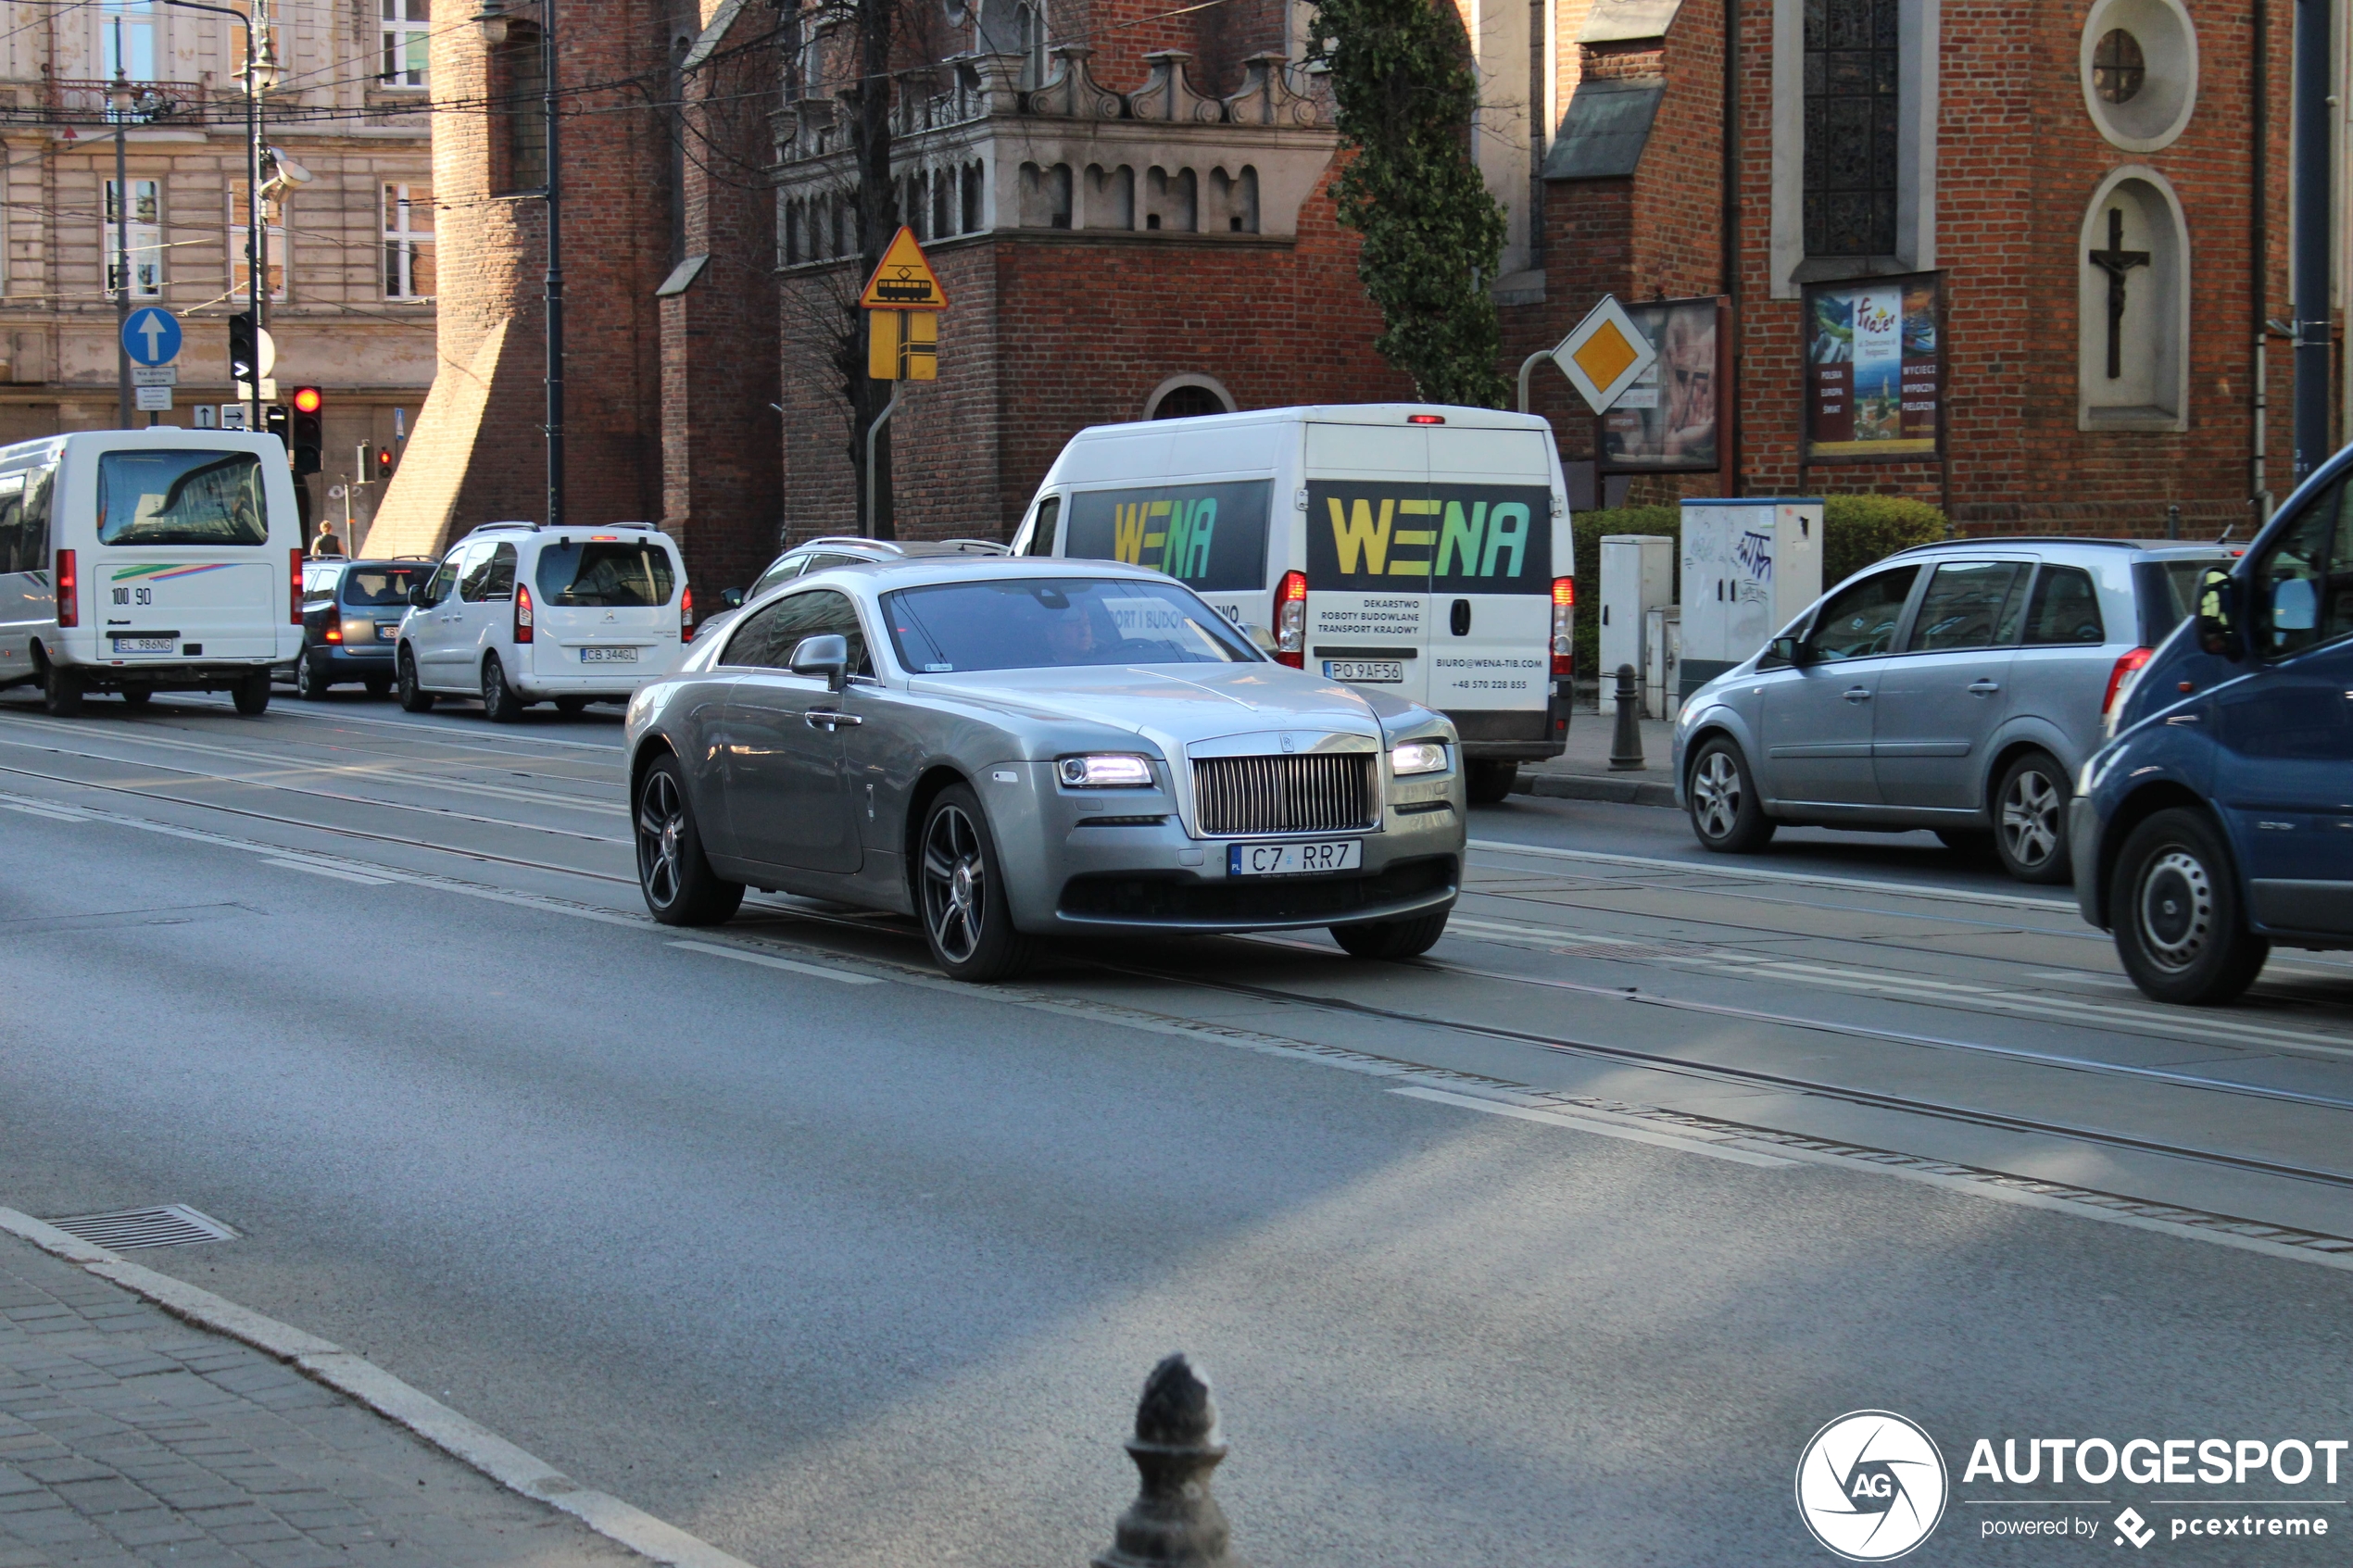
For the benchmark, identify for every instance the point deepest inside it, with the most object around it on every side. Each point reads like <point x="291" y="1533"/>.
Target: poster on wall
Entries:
<point x="1671" y="419"/>
<point x="1874" y="370"/>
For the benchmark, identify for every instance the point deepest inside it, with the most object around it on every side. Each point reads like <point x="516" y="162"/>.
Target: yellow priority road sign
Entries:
<point x="904" y="281"/>
<point x="1605" y="354"/>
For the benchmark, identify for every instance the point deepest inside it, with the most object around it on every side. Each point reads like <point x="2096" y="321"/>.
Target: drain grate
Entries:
<point x="174" y="1224"/>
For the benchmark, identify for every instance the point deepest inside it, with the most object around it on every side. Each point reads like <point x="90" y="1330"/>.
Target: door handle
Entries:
<point x="827" y="719"/>
<point x="1984" y="687"/>
<point x="1858" y="694"/>
<point x="2185" y="719"/>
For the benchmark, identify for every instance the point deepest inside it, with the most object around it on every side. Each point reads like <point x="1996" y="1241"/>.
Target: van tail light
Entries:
<point x="524" y="618"/>
<point x="2126" y="668"/>
<point x="687" y="615"/>
<point x="1564" y="625"/>
<point x="68" y="588"/>
<point x="293" y="587"/>
<point x="1291" y="620"/>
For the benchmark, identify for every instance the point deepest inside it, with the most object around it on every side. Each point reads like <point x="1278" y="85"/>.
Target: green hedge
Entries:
<point x="1856" y="531"/>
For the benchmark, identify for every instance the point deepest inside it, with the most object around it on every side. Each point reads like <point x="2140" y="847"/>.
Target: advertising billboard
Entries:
<point x="1874" y="370"/>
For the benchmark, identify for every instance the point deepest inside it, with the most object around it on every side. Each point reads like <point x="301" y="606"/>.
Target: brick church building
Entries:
<point x="2002" y="254"/>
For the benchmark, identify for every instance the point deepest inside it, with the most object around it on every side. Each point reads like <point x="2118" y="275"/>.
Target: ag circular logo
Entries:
<point x="1871" y="1486"/>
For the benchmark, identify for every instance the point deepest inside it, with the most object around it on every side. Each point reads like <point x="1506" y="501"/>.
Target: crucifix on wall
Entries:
<point x="2116" y="261"/>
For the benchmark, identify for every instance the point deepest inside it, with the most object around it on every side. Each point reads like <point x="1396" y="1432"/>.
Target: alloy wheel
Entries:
<point x="2031" y="818"/>
<point x="2174" y="909"/>
<point x="662" y="820"/>
<point x="955" y="884"/>
<point x="1716" y="793"/>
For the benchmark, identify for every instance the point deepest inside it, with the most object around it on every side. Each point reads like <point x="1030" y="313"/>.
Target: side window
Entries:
<point x="1969" y="605"/>
<point x="501" y="584"/>
<point x="1049" y="517"/>
<point x="15" y="553"/>
<point x="446" y="577"/>
<point x="767" y="639"/>
<point x="783" y="572"/>
<point x="473" y="575"/>
<point x="2304" y="587"/>
<point x="2065" y="609"/>
<point x="1861" y="620"/>
<point x="32" y="540"/>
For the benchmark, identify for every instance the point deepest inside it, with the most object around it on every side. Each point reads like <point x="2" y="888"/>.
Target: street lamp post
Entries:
<point x="494" y="20"/>
<point x="121" y="98"/>
<point x="257" y="238"/>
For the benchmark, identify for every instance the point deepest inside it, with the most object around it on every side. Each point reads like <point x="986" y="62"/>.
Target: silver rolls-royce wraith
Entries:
<point x="1011" y="749"/>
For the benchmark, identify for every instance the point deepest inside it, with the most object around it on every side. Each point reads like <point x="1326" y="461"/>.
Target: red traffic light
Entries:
<point x="307" y="399"/>
<point x="384" y="462"/>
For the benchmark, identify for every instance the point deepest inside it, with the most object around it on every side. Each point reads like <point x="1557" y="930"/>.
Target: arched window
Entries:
<point x="2133" y="263"/>
<point x="1187" y="395"/>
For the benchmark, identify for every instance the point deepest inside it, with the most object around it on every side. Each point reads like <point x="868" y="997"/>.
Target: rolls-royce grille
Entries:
<point x="1325" y="793"/>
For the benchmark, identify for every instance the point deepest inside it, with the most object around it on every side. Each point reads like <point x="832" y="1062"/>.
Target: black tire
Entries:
<point x="672" y="872"/>
<point x="61" y="692"/>
<point x="1974" y="842"/>
<point x="137" y="697"/>
<point x="311" y="676"/>
<point x="2030" y="818"/>
<point x="1487" y="782"/>
<point x="379" y="688"/>
<point x="1728" y="815"/>
<point x="500" y="703"/>
<point x="2174" y="899"/>
<point x="572" y="707"/>
<point x="252" y="695"/>
<point x="414" y="699"/>
<point x="960" y="893"/>
<point x="1407" y="938"/>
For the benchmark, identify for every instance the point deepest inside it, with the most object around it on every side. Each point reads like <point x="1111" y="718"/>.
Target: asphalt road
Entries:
<point x="831" y="1262"/>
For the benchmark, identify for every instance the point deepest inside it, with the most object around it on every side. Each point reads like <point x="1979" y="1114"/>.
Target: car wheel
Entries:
<point x="378" y="688"/>
<point x="2030" y="818"/>
<point x="2179" y="928"/>
<point x="1407" y="938"/>
<point x="499" y="703"/>
<point x="414" y="699"/>
<point x="673" y="872"/>
<point x="1967" y="841"/>
<point x="61" y="692"/>
<point x="310" y="677"/>
<point x="1487" y="782"/>
<point x="137" y="697"/>
<point x="966" y="918"/>
<point x="572" y="707"/>
<point x="252" y="695"/>
<point x="1727" y="814"/>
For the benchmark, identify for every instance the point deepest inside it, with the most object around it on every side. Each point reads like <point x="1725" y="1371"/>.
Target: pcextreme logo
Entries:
<point x="1871" y="1486"/>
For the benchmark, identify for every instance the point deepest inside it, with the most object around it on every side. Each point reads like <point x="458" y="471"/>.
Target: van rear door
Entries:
<point x="183" y="567"/>
<point x="1372" y="534"/>
<point x="1490" y="601"/>
<point x="605" y="603"/>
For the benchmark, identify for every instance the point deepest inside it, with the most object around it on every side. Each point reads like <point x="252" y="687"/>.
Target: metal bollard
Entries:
<point x="1626" y="741"/>
<point x="1174" y="1520"/>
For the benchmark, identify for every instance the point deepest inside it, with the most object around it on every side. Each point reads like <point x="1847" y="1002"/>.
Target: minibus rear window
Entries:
<point x="623" y="572"/>
<point x="180" y="497"/>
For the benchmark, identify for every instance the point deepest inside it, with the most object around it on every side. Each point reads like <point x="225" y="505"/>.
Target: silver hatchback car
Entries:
<point x="1957" y="686"/>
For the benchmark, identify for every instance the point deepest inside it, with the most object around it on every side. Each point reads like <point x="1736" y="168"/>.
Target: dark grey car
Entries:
<point x="1010" y="749"/>
<point x="1957" y="687"/>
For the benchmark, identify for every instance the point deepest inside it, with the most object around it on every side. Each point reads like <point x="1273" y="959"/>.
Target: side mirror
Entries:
<point x="827" y="656"/>
<point x="732" y="598"/>
<point x="1789" y="650"/>
<point x="417" y="599"/>
<point x="2216" y="633"/>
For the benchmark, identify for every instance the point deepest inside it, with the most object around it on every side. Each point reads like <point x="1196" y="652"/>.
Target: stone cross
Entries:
<point x="2116" y="261"/>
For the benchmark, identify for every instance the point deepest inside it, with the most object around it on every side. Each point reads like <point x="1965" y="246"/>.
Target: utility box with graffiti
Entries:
<point x="1749" y="568"/>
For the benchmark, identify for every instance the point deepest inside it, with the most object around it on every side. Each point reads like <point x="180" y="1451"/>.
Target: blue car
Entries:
<point x="2217" y="823"/>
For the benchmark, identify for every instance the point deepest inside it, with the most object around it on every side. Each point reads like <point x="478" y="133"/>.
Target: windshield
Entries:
<point x="369" y="586"/>
<point x="618" y="573"/>
<point x="1056" y="623"/>
<point x="179" y="497"/>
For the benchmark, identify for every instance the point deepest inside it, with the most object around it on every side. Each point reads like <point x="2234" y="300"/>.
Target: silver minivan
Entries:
<point x="1957" y="686"/>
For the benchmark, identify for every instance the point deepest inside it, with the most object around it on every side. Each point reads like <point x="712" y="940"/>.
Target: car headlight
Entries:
<point x="1105" y="770"/>
<point x="1417" y="757"/>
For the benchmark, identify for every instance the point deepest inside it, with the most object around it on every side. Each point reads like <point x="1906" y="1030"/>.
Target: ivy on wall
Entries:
<point x="1403" y="98"/>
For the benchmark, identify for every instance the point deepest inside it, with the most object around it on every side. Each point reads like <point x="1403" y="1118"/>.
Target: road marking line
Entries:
<point x="325" y="1362"/>
<point x="768" y="962"/>
<point x="330" y="870"/>
<point x="1869" y="885"/>
<point x="1594" y="1125"/>
<point x="44" y="811"/>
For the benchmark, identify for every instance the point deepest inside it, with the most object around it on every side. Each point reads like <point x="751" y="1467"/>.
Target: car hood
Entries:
<point x="1177" y="705"/>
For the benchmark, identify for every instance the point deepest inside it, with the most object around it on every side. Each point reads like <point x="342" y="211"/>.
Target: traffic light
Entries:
<point x="384" y="462"/>
<point x="273" y="420"/>
<point x="243" y="352"/>
<point x="309" y="442"/>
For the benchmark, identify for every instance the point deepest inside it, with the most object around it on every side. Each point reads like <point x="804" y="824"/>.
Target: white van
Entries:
<point x="1419" y="548"/>
<point x="520" y="613"/>
<point x="138" y="561"/>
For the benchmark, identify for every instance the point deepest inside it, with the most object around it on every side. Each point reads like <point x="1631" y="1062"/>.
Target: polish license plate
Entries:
<point x="145" y="644"/>
<point x="608" y="656"/>
<point x="1368" y="669"/>
<point x="387" y="631"/>
<point x="1294" y="859"/>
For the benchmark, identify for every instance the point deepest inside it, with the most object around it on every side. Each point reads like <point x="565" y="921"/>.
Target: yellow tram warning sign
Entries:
<point x="904" y="281"/>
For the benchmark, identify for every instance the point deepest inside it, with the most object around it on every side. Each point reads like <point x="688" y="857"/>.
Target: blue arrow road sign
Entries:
<point x="152" y="336"/>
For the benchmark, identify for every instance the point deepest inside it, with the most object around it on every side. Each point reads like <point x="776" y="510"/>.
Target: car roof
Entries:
<point x="884" y="550"/>
<point x="918" y="571"/>
<point x="2154" y="548"/>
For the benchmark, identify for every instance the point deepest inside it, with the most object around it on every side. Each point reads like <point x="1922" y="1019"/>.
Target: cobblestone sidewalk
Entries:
<point x="129" y="1438"/>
